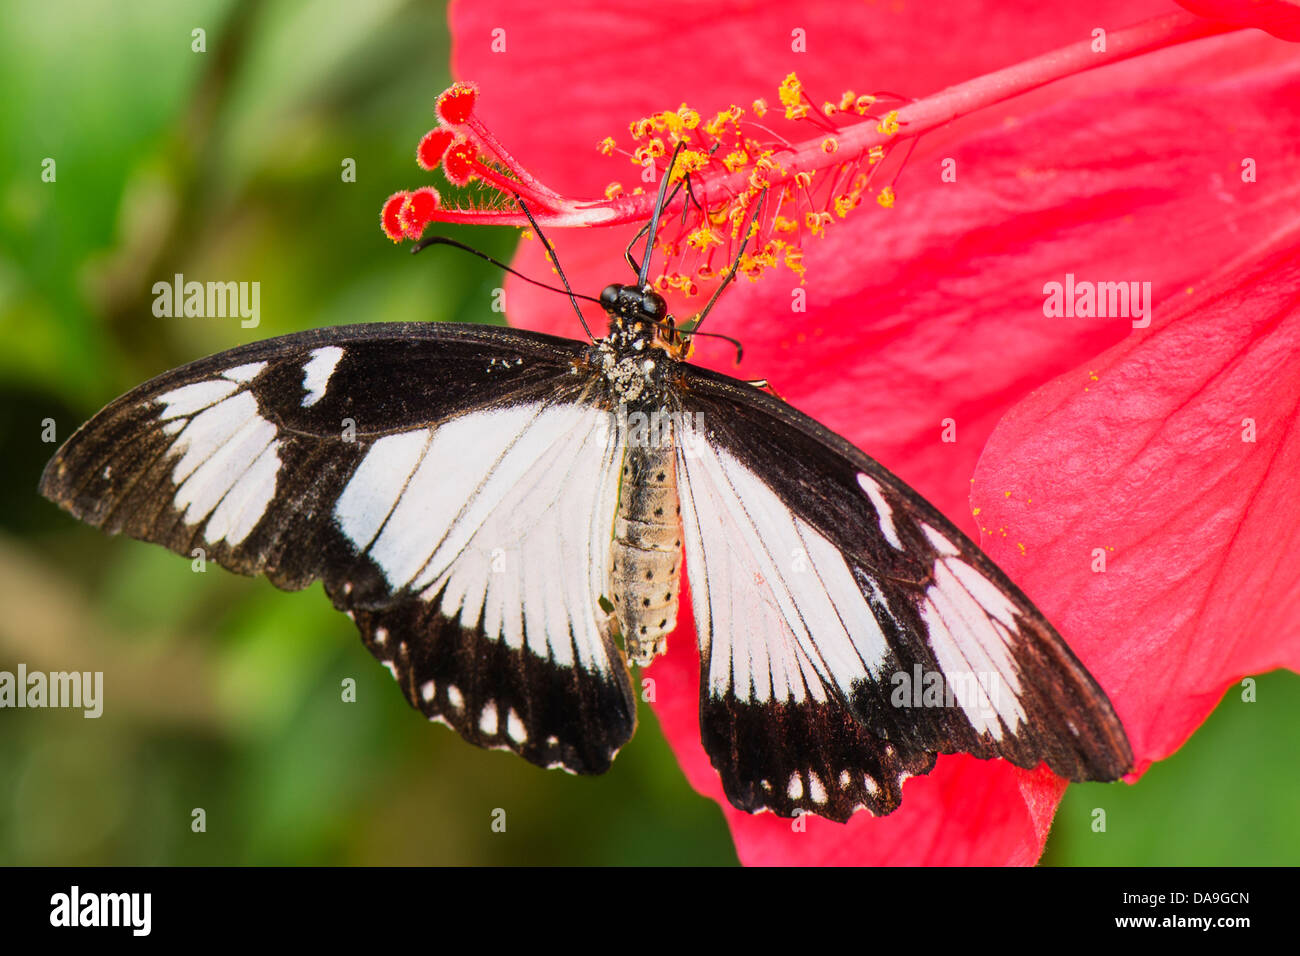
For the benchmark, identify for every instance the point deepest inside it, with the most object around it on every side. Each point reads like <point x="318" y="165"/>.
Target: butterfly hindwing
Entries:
<point x="417" y="471"/>
<point x="550" y="712"/>
<point x="497" y="542"/>
<point x="848" y="631"/>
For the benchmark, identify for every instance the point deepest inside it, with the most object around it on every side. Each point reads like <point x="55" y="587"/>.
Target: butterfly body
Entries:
<point x="638" y="359"/>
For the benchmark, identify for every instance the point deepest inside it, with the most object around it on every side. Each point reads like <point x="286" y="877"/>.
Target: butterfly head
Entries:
<point x="639" y="314"/>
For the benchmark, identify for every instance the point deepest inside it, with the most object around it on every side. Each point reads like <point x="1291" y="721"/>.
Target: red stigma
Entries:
<point x="435" y="142"/>
<point x="388" y="217"/>
<point x="456" y="103"/>
<point x="416" y="211"/>
<point x="458" y="162"/>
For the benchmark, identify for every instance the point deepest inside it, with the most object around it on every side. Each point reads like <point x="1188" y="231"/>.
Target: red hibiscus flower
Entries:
<point x="1130" y="473"/>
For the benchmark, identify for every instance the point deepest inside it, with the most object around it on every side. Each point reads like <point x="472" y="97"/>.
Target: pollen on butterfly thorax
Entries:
<point x="643" y="344"/>
<point x="787" y="173"/>
<point x="635" y="371"/>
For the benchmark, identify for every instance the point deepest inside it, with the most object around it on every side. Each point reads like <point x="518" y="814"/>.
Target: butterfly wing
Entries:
<point x="452" y="486"/>
<point x="849" y="632"/>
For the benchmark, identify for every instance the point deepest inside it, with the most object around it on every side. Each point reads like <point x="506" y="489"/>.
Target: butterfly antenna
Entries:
<point x="556" y="262"/>
<point x="447" y="241"/>
<point x="627" y="253"/>
<point x="759" y="208"/>
<point x="740" y="349"/>
<point x="690" y="198"/>
<point x="644" y="272"/>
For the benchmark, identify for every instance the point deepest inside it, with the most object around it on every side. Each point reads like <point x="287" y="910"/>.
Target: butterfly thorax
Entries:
<point x="645" y="561"/>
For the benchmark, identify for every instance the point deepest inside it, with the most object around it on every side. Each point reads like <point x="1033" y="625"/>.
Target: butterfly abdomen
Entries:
<point x="645" y="562"/>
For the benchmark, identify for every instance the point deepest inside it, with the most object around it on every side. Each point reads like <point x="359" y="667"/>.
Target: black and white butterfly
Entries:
<point x="504" y="514"/>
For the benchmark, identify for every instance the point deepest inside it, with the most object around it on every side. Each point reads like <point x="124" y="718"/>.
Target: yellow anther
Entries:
<point x="791" y="93"/>
<point x="701" y="239"/>
<point x="735" y="160"/>
<point x="718" y="125"/>
<point x="817" y="222"/>
<point x="690" y="161"/>
<point x="790" y="90"/>
<point x="607" y="146"/>
<point x="886" y="197"/>
<point x="888" y="123"/>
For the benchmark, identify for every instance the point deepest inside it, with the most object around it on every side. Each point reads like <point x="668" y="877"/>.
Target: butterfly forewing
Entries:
<point x="848" y="631"/>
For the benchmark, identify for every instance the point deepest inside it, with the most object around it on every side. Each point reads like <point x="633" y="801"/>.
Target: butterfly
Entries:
<point x="508" y="518"/>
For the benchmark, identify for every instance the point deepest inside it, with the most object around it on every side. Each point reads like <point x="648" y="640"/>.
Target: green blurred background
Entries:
<point x="224" y="693"/>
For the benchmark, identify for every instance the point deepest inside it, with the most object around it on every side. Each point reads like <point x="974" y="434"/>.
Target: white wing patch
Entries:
<point x="317" y="371"/>
<point x="377" y="484"/>
<point x="507" y="514"/>
<point x="883" y="511"/>
<point x="940" y="543"/>
<point x="972" y="625"/>
<point x="244" y="373"/>
<point x="777" y="608"/>
<point x="228" y="454"/>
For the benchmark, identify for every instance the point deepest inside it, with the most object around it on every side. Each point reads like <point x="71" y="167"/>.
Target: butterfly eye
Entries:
<point x="653" y="304"/>
<point x="609" y="297"/>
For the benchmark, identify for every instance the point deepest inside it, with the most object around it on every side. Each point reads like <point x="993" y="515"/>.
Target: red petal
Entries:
<point x="1279" y="17"/>
<point x="942" y="315"/>
<point x="1145" y="458"/>
<point x="624" y="59"/>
